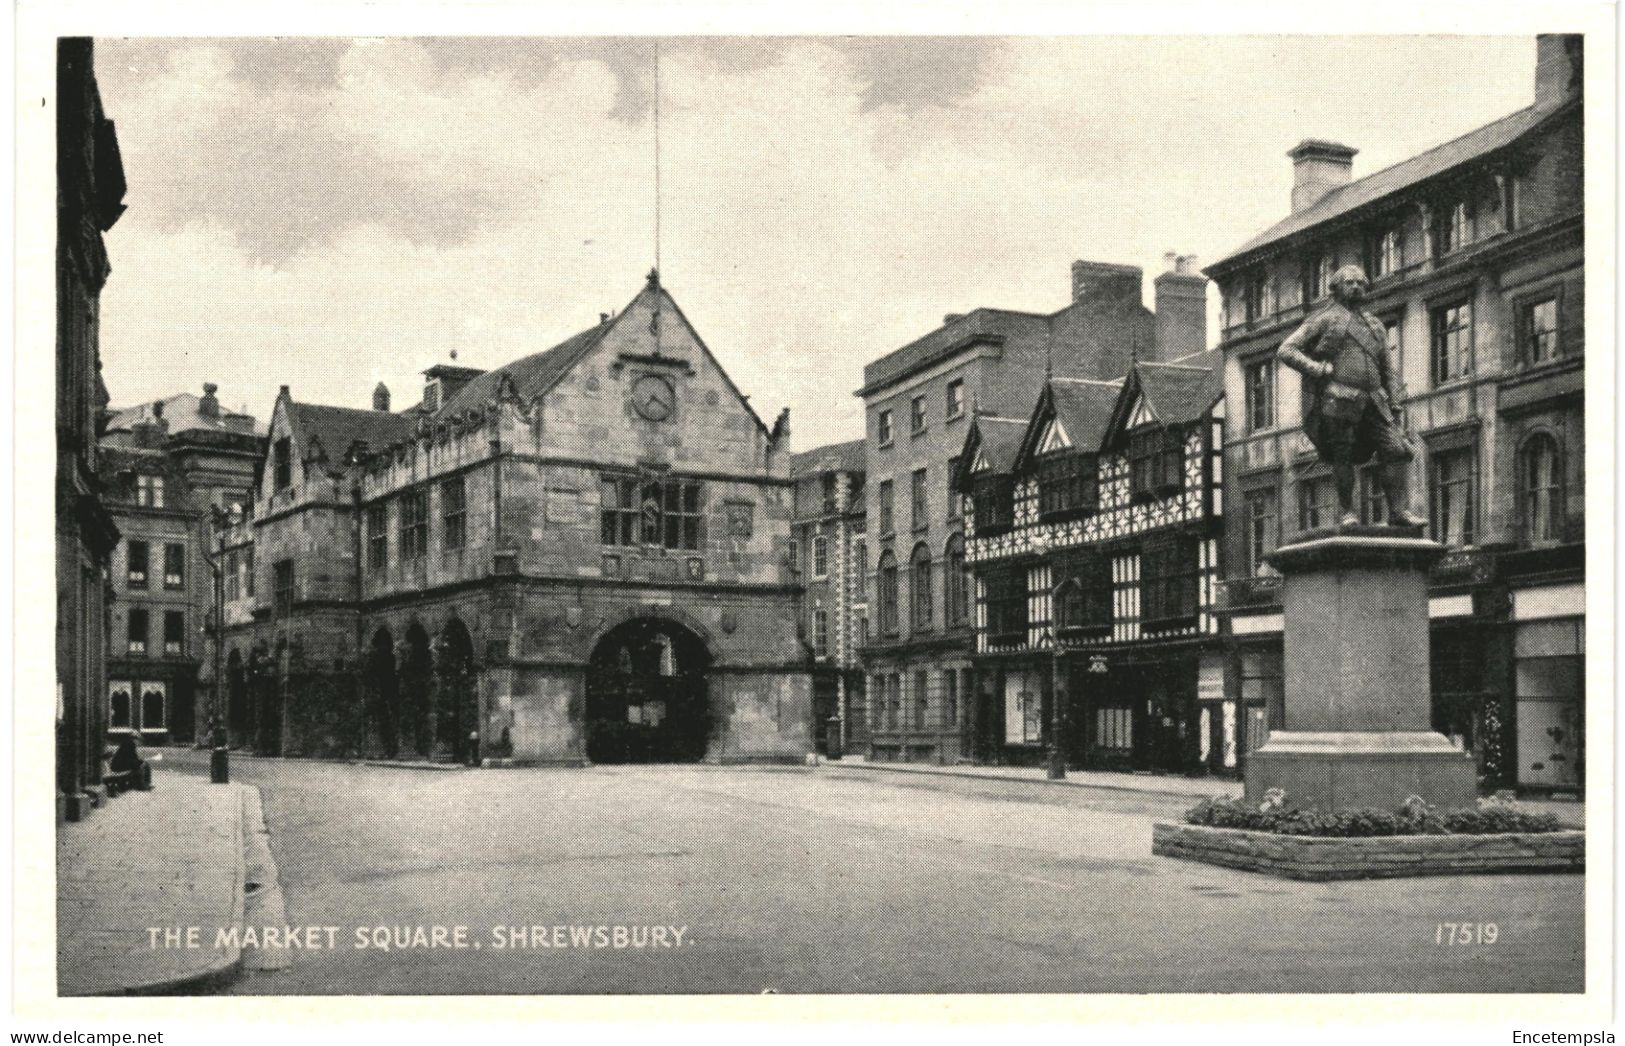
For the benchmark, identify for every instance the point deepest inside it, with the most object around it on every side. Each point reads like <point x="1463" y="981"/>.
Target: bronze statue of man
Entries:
<point x="1342" y="353"/>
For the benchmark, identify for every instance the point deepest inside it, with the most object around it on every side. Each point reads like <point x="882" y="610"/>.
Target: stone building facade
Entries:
<point x="581" y="556"/>
<point x="919" y="402"/>
<point x="167" y="467"/>
<point x="1476" y="254"/>
<point x="830" y="557"/>
<point x="89" y="199"/>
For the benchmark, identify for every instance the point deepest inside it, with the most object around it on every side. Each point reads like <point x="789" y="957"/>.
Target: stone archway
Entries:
<point x="648" y="696"/>
<point x="415" y="668"/>
<point x="383" y="691"/>
<point x="456" y="693"/>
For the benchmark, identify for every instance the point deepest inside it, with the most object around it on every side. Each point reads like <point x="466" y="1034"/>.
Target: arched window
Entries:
<point x="1540" y="489"/>
<point x="955" y="583"/>
<point x="888" y="593"/>
<point x="920" y="586"/>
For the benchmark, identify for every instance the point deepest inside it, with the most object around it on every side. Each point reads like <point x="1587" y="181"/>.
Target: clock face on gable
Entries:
<point x="653" y="397"/>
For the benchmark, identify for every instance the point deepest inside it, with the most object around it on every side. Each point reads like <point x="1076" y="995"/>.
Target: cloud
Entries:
<point x="912" y="73"/>
<point x="336" y="215"/>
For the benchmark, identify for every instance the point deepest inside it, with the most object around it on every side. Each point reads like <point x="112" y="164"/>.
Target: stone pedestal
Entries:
<point x="1357" y="729"/>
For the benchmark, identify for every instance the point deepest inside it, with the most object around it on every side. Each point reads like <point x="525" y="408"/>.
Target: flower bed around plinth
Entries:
<point x="1371" y="844"/>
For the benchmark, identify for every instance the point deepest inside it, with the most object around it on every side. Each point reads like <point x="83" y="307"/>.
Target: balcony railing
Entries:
<point x="1264" y="590"/>
<point x="1464" y="567"/>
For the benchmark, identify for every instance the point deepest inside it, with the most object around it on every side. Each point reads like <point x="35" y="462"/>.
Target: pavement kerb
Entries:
<point x="231" y="964"/>
<point x="972" y="775"/>
<point x="393" y="764"/>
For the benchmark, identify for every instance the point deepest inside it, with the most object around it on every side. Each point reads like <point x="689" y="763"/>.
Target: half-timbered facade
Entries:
<point x="1093" y="536"/>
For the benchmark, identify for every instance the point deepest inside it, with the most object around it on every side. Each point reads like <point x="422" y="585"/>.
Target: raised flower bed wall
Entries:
<point x="1377" y="857"/>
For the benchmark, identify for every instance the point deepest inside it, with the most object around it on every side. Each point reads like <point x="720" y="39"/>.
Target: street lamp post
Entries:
<point x="1057" y="755"/>
<point x="219" y="758"/>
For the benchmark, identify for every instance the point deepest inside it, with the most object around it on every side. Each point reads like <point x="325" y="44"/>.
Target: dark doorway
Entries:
<point x="267" y="687"/>
<point x="647" y="695"/>
<point x="457" y="700"/>
<point x="415" y="670"/>
<point x="236" y="700"/>
<point x="383" y="692"/>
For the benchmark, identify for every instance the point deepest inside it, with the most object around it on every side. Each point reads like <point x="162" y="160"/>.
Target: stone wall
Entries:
<point x="1305" y="857"/>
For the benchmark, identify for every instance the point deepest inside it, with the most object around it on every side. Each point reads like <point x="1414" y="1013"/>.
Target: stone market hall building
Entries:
<point x="582" y="556"/>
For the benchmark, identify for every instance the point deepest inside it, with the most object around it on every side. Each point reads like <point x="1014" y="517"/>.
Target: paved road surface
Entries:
<point x="830" y="880"/>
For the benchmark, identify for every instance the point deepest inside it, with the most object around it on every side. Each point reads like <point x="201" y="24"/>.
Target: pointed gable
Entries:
<point x="1162" y="394"/>
<point x="1053" y="437"/>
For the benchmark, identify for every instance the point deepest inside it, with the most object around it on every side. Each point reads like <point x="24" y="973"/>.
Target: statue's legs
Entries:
<point x="1396" y="487"/>
<point x="1344" y="476"/>
<point x="1394" y="455"/>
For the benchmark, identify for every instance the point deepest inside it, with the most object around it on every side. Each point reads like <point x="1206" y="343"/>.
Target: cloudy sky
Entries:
<point x="329" y="213"/>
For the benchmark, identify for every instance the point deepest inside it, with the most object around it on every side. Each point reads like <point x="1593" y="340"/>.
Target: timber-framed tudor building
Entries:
<point x="581" y="556"/>
<point x="1476" y="254"/>
<point x="1093" y="534"/>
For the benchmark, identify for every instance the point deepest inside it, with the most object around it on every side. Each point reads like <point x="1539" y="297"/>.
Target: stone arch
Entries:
<point x="415" y="669"/>
<point x="648" y="693"/>
<point x="382" y="690"/>
<point x="456" y="692"/>
<point x="677" y="614"/>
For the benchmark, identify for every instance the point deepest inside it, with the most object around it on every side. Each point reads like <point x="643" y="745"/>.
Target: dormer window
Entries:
<point x="994" y="502"/>
<point x="1156" y="457"/>
<point x="1067" y="485"/>
<point x="149" y="491"/>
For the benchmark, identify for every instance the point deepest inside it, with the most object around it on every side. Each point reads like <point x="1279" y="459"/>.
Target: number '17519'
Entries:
<point x="1466" y="933"/>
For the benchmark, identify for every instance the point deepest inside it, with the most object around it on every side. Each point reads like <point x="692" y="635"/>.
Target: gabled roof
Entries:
<point x="837" y="457"/>
<point x="531" y="375"/>
<point x="337" y="429"/>
<point x="1373" y="187"/>
<point x="1083" y="408"/>
<point x="993" y="437"/>
<point x="535" y="375"/>
<point x="1176" y="393"/>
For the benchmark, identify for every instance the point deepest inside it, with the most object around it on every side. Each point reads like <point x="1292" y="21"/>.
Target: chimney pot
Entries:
<point x="1318" y="167"/>
<point x="209" y="406"/>
<point x="380" y="397"/>
<point x="158" y="408"/>
<point x="603" y="318"/>
<point x="1169" y="261"/>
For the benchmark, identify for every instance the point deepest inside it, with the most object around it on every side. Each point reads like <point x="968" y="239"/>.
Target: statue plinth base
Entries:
<point x="1358" y="725"/>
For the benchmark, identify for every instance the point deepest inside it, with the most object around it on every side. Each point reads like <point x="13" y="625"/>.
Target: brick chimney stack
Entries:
<point x="380" y="397"/>
<point x="1181" y="309"/>
<point x="1318" y="167"/>
<point x="1102" y="282"/>
<point x="1558" y="67"/>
